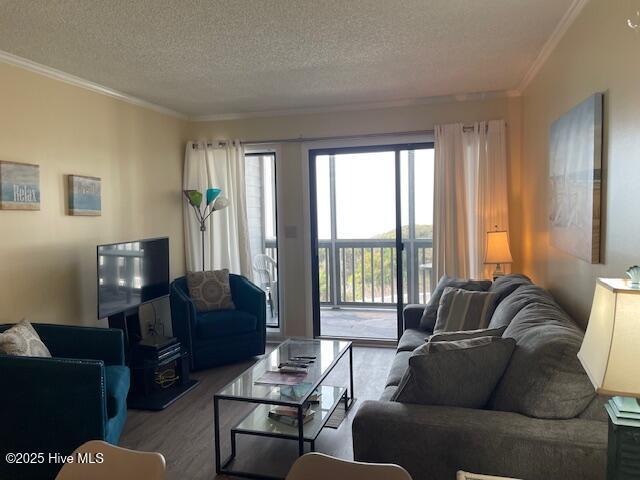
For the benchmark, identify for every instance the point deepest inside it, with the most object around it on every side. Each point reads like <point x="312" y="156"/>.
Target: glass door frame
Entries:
<point x="396" y="148"/>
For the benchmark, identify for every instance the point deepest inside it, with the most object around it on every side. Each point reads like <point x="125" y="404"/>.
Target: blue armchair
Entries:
<point x="56" y="404"/>
<point x="220" y="336"/>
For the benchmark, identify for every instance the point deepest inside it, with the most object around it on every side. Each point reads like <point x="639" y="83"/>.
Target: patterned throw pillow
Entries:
<point x="22" y="340"/>
<point x="464" y="310"/>
<point x="210" y="290"/>
<point x="428" y="319"/>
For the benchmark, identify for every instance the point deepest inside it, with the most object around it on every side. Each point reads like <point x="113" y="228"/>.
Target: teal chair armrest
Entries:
<point x="251" y="299"/>
<point x="67" y="341"/>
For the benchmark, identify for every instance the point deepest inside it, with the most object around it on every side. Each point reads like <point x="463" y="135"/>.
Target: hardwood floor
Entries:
<point x="183" y="433"/>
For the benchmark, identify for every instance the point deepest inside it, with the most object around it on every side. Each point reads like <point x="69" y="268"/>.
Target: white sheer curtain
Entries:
<point x="220" y="165"/>
<point x="450" y="238"/>
<point x="470" y="196"/>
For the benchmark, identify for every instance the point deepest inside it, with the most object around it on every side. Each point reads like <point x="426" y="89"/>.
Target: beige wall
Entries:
<point x="598" y="53"/>
<point x="292" y="171"/>
<point x="47" y="258"/>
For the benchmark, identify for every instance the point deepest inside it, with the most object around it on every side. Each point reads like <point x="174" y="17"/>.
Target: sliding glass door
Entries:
<point x="364" y="214"/>
<point x="260" y="179"/>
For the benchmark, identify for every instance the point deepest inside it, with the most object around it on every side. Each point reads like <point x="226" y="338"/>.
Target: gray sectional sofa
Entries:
<point x="543" y="422"/>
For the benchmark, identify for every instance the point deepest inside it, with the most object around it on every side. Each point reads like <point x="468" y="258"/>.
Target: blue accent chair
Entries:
<point x="54" y="405"/>
<point x="220" y="336"/>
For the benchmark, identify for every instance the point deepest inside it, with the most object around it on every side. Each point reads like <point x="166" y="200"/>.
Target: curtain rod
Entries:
<point x="466" y="128"/>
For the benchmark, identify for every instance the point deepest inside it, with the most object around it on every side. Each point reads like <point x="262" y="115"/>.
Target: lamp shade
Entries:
<point x="498" y="250"/>
<point x="609" y="351"/>
<point x="212" y="194"/>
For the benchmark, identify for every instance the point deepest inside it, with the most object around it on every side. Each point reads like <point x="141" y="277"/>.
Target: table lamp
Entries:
<point x="609" y="355"/>
<point x="498" y="250"/>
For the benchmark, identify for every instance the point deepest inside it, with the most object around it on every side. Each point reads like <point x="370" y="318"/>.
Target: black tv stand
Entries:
<point x="142" y="394"/>
<point x="145" y="394"/>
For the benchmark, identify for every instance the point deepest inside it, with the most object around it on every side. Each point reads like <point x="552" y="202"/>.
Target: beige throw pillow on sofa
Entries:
<point x="22" y="340"/>
<point x="461" y="309"/>
<point x="210" y="290"/>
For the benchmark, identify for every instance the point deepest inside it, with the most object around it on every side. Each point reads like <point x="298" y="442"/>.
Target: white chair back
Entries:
<point x="317" y="466"/>
<point x="111" y="462"/>
<point x="263" y="265"/>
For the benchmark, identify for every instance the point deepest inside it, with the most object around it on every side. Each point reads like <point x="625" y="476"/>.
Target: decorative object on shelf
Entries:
<point x="634" y="274"/>
<point x="214" y="202"/>
<point x="575" y="177"/>
<point x="19" y="186"/>
<point x="84" y="196"/>
<point x="498" y="250"/>
<point x="609" y="356"/>
<point x="634" y="22"/>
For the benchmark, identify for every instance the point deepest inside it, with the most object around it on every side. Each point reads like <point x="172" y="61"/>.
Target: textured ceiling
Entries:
<point x="235" y="56"/>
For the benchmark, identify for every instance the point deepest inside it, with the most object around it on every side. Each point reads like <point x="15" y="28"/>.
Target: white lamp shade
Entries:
<point x="498" y="250"/>
<point x="609" y="351"/>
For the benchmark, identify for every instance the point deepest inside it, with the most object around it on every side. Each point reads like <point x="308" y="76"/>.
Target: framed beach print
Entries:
<point x="575" y="180"/>
<point x="19" y="186"/>
<point x="84" y="196"/>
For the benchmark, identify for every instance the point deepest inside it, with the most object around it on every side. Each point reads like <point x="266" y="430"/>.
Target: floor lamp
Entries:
<point x="214" y="202"/>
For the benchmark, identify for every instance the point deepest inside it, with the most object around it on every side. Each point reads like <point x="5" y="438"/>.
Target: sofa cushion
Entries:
<point x="507" y="284"/>
<point x="428" y="319"/>
<point x="398" y="367"/>
<point x="461" y="373"/>
<point x="467" y="334"/>
<point x="411" y="339"/>
<point x="544" y="378"/>
<point x="117" y="378"/>
<point x="464" y="310"/>
<point x="520" y="298"/>
<point x="210" y="290"/>
<point x="224" y="323"/>
<point x="388" y="393"/>
<point x="22" y="340"/>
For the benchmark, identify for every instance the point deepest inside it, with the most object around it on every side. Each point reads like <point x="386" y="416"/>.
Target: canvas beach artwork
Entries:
<point x="575" y="177"/>
<point x="19" y="186"/>
<point x="84" y="196"/>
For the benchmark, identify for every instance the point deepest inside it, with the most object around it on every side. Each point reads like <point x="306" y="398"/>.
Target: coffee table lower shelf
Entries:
<point x="258" y="423"/>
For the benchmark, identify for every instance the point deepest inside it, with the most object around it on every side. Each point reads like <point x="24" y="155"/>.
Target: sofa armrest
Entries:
<point x="49" y="405"/>
<point x="411" y="315"/>
<point x="67" y="341"/>
<point x="434" y="442"/>
<point x="251" y="299"/>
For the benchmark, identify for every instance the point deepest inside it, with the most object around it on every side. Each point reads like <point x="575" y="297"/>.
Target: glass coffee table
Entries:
<point x="326" y="354"/>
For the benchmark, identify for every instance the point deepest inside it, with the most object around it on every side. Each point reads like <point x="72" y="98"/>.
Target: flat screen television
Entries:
<point x="131" y="273"/>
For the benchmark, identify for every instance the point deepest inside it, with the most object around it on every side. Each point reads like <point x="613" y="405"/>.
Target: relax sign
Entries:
<point x="19" y="186"/>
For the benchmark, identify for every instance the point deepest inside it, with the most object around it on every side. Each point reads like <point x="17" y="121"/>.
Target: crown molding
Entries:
<point x="457" y="98"/>
<point x="50" y="72"/>
<point x="565" y="22"/>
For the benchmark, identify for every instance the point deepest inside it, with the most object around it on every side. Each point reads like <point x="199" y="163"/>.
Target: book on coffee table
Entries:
<point x="291" y="420"/>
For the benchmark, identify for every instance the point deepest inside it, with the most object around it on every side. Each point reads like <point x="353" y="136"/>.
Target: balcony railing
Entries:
<point x="363" y="272"/>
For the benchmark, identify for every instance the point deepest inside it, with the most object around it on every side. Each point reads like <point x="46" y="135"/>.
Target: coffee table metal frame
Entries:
<point x="347" y="397"/>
